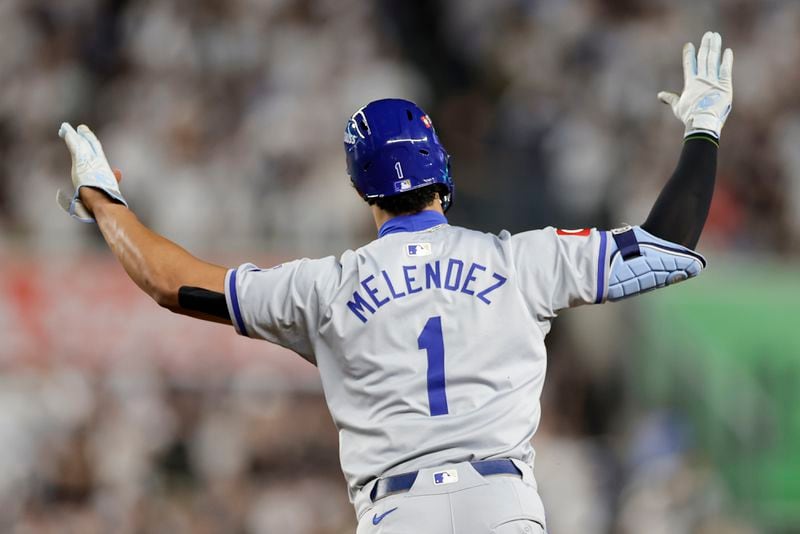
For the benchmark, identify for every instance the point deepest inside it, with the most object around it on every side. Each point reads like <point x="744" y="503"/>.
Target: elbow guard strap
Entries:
<point x="640" y="262"/>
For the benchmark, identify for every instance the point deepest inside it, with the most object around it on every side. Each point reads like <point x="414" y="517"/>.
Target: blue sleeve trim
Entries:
<point x="237" y="314"/>
<point x="601" y="268"/>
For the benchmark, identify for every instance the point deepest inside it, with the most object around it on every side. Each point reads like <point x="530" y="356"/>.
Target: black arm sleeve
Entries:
<point x="681" y="209"/>
<point x="204" y="301"/>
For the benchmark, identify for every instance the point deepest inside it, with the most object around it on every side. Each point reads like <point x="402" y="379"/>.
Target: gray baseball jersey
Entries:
<point x="429" y="340"/>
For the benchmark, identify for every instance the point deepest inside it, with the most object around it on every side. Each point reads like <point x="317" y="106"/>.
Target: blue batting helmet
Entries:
<point x="392" y="148"/>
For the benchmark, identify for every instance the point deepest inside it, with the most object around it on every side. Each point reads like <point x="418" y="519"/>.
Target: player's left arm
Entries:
<point x="661" y="250"/>
<point x="165" y="271"/>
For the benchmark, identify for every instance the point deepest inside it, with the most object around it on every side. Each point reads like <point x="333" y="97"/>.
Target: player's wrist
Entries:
<point x="95" y="199"/>
<point x="704" y="135"/>
<point x="705" y="123"/>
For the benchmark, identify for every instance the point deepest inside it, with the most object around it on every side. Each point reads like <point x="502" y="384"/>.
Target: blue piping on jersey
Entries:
<point x="237" y="314"/>
<point x="412" y="223"/>
<point x="601" y="268"/>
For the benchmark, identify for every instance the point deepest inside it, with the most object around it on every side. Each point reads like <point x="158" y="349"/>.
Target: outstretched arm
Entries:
<point x="558" y="269"/>
<point x="166" y="272"/>
<point x="157" y="265"/>
<point x="660" y="252"/>
<point x="681" y="210"/>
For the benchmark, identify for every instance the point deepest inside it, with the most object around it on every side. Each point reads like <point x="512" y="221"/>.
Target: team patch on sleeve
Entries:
<point x="581" y="232"/>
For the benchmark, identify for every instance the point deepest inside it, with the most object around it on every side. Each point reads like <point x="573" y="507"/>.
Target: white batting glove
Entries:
<point x="707" y="89"/>
<point x="90" y="168"/>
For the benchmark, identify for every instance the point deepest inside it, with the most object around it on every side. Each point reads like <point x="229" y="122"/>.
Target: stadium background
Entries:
<point x="673" y="413"/>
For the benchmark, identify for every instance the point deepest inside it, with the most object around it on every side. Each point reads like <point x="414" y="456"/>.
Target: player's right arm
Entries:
<point x="661" y="251"/>
<point x="560" y="269"/>
<point x="680" y="212"/>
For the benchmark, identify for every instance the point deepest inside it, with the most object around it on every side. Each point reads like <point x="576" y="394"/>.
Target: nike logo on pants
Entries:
<point x="378" y="518"/>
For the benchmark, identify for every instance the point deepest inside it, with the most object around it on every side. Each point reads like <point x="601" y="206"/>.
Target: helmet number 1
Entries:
<point x="399" y="169"/>
<point x="432" y="341"/>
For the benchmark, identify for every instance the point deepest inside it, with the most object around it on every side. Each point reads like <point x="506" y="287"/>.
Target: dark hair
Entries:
<point x="411" y="202"/>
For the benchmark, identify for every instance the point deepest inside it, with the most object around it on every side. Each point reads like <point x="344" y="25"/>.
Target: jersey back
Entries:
<point x="429" y="344"/>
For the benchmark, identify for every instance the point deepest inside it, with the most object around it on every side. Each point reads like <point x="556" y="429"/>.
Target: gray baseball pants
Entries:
<point x="468" y="503"/>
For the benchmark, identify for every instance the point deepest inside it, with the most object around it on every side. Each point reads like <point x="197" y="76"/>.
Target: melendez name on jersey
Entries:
<point x="450" y="274"/>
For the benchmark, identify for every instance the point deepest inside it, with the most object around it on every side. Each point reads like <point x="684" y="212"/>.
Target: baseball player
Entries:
<point x="430" y="339"/>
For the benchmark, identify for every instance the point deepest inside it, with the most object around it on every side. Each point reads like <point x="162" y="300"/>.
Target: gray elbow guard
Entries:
<point x="640" y="262"/>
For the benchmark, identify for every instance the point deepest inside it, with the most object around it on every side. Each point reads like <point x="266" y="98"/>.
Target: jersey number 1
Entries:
<point x="432" y="341"/>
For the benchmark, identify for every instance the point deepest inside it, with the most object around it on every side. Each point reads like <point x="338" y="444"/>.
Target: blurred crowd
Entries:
<point x="226" y="118"/>
<point x="138" y="450"/>
<point x="132" y="451"/>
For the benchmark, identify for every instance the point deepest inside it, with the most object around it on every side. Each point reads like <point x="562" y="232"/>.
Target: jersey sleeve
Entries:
<point x="282" y="304"/>
<point x="559" y="269"/>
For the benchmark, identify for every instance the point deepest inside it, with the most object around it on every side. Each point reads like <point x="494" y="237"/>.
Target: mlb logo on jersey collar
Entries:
<point x="441" y="478"/>
<point x="415" y="250"/>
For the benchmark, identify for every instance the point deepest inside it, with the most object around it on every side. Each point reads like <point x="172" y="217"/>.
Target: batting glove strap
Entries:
<point x="641" y="262"/>
<point x="72" y="203"/>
